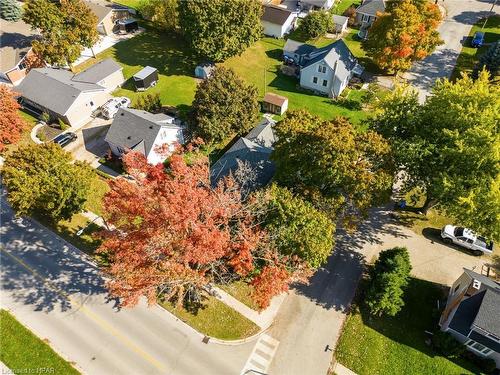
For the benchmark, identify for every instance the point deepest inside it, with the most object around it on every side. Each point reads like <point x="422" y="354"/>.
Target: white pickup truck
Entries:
<point x="466" y="238"/>
<point x="111" y="107"/>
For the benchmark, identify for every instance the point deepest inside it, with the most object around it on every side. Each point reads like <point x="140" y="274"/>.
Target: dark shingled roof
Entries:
<point x="299" y="48"/>
<point x="488" y="316"/>
<point x="254" y="149"/>
<point x="98" y="71"/>
<point x="371" y="7"/>
<point x="466" y="313"/>
<point x="275" y="15"/>
<point x="136" y="129"/>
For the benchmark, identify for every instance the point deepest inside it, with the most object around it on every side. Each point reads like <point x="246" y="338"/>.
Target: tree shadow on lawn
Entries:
<point x="164" y="51"/>
<point x="419" y="314"/>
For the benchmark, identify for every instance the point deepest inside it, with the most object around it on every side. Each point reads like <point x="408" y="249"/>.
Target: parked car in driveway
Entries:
<point x="111" y="107"/>
<point x="466" y="238"/>
<point x="478" y="39"/>
<point x="64" y="139"/>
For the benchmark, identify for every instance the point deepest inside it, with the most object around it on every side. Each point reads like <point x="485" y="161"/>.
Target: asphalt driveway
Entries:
<point x="90" y="144"/>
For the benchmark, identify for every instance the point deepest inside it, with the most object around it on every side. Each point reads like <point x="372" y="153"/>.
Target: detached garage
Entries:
<point x="277" y="21"/>
<point x="145" y="78"/>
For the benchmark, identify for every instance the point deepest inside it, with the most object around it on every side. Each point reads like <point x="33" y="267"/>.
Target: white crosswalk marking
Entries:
<point x="261" y="357"/>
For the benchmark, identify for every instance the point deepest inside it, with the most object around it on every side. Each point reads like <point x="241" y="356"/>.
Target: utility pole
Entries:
<point x="491" y="11"/>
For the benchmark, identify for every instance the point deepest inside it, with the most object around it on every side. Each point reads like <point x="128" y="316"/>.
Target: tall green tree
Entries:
<point x="389" y="278"/>
<point x="223" y="105"/>
<point x="66" y="27"/>
<point x="10" y="10"/>
<point x="407" y="32"/>
<point x="489" y="61"/>
<point x="449" y="147"/>
<point x="163" y="13"/>
<point x="219" y="29"/>
<point x="316" y="24"/>
<point x="297" y="228"/>
<point x="342" y="171"/>
<point x="40" y="179"/>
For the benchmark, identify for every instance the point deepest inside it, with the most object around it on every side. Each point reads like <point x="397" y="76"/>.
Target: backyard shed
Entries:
<point x="128" y="25"/>
<point x="274" y="103"/>
<point x="340" y="23"/>
<point x="204" y="71"/>
<point x="145" y="78"/>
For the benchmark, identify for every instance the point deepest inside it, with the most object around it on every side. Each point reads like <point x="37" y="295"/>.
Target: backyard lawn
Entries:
<point x="341" y="6"/>
<point x="469" y="56"/>
<point x="258" y="65"/>
<point x="129" y="3"/>
<point x="396" y="345"/>
<point x="215" y="319"/>
<point x="25" y="353"/>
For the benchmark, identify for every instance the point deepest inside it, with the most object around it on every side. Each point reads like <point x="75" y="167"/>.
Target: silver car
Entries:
<point x="466" y="238"/>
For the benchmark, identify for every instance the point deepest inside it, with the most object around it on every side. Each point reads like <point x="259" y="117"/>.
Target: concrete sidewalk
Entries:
<point x="263" y="319"/>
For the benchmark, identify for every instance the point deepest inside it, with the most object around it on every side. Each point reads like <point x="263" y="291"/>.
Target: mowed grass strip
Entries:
<point x="469" y="56"/>
<point x="24" y="353"/>
<point x="396" y="345"/>
<point x="215" y="319"/>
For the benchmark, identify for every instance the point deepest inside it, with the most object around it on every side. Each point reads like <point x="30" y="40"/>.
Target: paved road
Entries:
<point x="310" y="320"/>
<point x="58" y="293"/>
<point x="460" y="16"/>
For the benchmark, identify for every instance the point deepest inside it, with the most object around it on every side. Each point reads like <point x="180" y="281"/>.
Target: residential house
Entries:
<point x="144" y="132"/>
<point x="316" y="4"/>
<point x="107" y="14"/>
<point x="340" y="23"/>
<point x="325" y="70"/>
<point x="254" y="150"/>
<point x="367" y="13"/>
<point x="70" y="97"/>
<point x="273" y="103"/>
<point x="472" y="314"/>
<point x="297" y="51"/>
<point x="277" y="21"/>
<point x="15" y="47"/>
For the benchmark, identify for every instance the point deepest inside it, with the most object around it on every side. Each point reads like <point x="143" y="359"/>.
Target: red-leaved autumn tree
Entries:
<point x="11" y="124"/>
<point x="173" y="234"/>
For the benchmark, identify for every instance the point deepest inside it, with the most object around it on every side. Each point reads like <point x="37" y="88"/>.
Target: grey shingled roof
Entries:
<point x="293" y="46"/>
<point x="275" y="15"/>
<point x="15" y="42"/>
<point x="485" y="281"/>
<point x="335" y="52"/>
<point x="339" y="20"/>
<point x="98" y="71"/>
<point x="371" y="7"/>
<point x="53" y="89"/>
<point x="316" y="3"/>
<point x="100" y="10"/>
<point x="254" y="149"/>
<point x="136" y="129"/>
<point x="488" y="315"/>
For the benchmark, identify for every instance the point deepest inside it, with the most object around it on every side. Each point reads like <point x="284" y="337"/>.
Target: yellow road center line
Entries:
<point x="104" y="325"/>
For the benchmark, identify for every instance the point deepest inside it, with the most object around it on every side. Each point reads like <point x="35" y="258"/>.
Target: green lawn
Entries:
<point x="396" y="345"/>
<point x="242" y="292"/>
<point x="164" y="51"/>
<point x="469" y="56"/>
<point x="25" y="353"/>
<point x="129" y="3"/>
<point x="215" y="319"/>
<point x="341" y="6"/>
<point x="98" y="189"/>
<point x="259" y="65"/>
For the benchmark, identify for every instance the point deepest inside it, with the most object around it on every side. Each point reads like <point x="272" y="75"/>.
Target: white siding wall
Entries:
<point x="165" y="136"/>
<point x="307" y="78"/>
<point x="113" y="81"/>
<point x="80" y="112"/>
<point x="272" y="29"/>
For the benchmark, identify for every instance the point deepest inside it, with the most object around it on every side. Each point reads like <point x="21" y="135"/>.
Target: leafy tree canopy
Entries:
<point x="490" y="61"/>
<point x="66" y="27"/>
<point x="163" y="13"/>
<point x="11" y="123"/>
<point x="449" y="147"/>
<point x="219" y="29"/>
<point x="407" y="32"/>
<point x="316" y="24"/>
<point x="389" y="278"/>
<point x="223" y="105"/>
<point x="10" y="10"/>
<point x="297" y="228"/>
<point x="149" y="102"/>
<point x="40" y="179"/>
<point x="340" y="170"/>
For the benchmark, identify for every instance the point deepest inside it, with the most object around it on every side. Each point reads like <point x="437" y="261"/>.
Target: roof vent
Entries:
<point x="476" y="284"/>
<point x="122" y="114"/>
<point x="151" y="126"/>
<point x="129" y="137"/>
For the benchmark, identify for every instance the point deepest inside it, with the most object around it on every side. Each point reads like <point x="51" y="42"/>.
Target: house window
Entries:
<point x="478" y="347"/>
<point x="120" y="150"/>
<point x="366" y="18"/>
<point x="325" y="82"/>
<point x="323" y="69"/>
<point x="319" y="68"/>
<point x="315" y="79"/>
